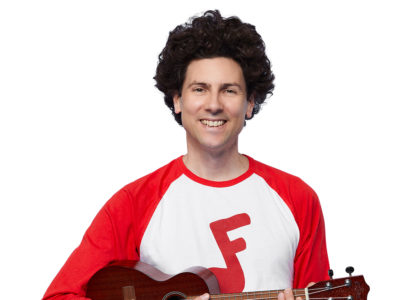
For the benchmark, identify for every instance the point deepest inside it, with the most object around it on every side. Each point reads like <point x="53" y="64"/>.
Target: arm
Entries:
<point x="109" y="237"/>
<point x="311" y="261"/>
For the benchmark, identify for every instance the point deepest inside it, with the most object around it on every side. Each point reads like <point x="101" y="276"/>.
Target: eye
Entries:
<point x="198" y="90"/>
<point x="230" y="91"/>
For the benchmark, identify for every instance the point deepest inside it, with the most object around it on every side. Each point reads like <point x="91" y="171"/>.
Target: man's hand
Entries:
<point x="288" y="294"/>
<point x="202" y="297"/>
<point x="285" y="295"/>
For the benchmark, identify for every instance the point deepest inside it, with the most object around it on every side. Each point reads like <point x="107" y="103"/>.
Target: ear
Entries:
<point x="177" y="103"/>
<point x="250" y="107"/>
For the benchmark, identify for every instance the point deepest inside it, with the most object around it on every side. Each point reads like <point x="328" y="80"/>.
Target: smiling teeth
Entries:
<point x="212" y="123"/>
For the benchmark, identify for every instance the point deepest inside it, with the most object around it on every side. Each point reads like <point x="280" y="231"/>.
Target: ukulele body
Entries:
<point x="149" y="283"/>
<point x="134" y="280"/>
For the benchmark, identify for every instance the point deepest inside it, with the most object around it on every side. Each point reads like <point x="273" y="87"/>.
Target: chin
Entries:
<point x="215" y="145"/>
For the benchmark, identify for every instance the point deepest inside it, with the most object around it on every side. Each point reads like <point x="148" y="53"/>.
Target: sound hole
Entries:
<point x="174" y="296"/>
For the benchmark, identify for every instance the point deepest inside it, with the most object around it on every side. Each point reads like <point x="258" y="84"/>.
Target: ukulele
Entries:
<point x="135" y="280"/>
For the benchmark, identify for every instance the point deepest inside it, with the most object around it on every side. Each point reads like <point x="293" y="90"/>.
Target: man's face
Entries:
<point x="214" y="104"/>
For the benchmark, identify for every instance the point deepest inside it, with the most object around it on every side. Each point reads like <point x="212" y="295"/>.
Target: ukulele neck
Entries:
<point x="262" y="295"/>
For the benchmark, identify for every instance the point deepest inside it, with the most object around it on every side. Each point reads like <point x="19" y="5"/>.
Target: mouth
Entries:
<point x="213" y="123"/>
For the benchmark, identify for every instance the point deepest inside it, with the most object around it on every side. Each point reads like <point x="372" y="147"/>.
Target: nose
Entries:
<point x="213" y="104"/>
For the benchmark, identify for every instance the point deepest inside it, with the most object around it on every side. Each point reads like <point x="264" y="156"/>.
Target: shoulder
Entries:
<point x="281" y="180"/>
<point x="297" y="194"/>
<point x="158" y="179"/>
<point x="150" y="186"/>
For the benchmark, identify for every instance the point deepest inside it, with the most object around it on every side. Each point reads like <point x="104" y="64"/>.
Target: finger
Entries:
<point x="288" y="294"/>
<point x="203" y="297"/>
<point x="281" y="296"/>
<point x="310" y="284"/>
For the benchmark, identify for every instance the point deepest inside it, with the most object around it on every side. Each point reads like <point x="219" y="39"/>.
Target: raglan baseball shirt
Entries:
<point x="260" y="231"/>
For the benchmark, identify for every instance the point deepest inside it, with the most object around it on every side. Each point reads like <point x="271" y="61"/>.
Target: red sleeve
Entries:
<point x="311" y="263"/>
<point x="110" y="237"/>
<point x="115" y="233"/>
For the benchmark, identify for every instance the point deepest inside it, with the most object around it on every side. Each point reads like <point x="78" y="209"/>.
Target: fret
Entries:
<point x="261" y="295"/>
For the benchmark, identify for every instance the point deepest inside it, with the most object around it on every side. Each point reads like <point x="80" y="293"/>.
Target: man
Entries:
<point x="253" y="226"/>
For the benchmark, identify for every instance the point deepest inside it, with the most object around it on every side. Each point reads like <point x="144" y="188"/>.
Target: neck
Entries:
<point x="216" y="166"/>
<point x="262" y="295"/>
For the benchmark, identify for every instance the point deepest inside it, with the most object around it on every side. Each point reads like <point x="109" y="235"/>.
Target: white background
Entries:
<point x="80" y="117"/>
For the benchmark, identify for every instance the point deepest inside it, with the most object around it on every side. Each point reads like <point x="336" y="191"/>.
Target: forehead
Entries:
<point x="217" y="70"/>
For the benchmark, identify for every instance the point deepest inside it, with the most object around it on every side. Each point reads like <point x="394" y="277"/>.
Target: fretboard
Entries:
<point x="262" y="295"/>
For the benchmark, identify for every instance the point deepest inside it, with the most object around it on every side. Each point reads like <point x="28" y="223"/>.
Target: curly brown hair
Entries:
<point x="208" y="36"/>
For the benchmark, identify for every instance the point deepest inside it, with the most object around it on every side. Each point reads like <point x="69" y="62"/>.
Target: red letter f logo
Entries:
<point x="231" y="278"/>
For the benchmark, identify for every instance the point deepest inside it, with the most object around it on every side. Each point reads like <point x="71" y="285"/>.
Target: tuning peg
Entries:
<point x="349" y="270"/>
<point x="330" y="273"/>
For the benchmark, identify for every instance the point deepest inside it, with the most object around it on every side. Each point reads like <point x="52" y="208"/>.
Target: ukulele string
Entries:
<point x="275" y="298"/>
<point x="330" y="298"/>
<point x="311" y="291"/>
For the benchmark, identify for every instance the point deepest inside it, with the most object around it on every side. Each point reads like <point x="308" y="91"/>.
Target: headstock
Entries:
<point x="349" y="288"/>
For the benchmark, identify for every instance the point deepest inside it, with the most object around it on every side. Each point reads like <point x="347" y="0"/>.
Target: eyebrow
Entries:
<point x="226" y="85"/>
<point x="223" y="86"/>
<point x="198" y="83"/>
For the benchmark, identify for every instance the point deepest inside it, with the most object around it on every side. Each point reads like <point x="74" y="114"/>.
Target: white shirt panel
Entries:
<point x="178" y="235"/>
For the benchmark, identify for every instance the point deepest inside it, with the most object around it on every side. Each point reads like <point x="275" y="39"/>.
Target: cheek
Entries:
<point x="188" y="113"/>
<point x="239" y="110"/>
<point x="190" y="107"/>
